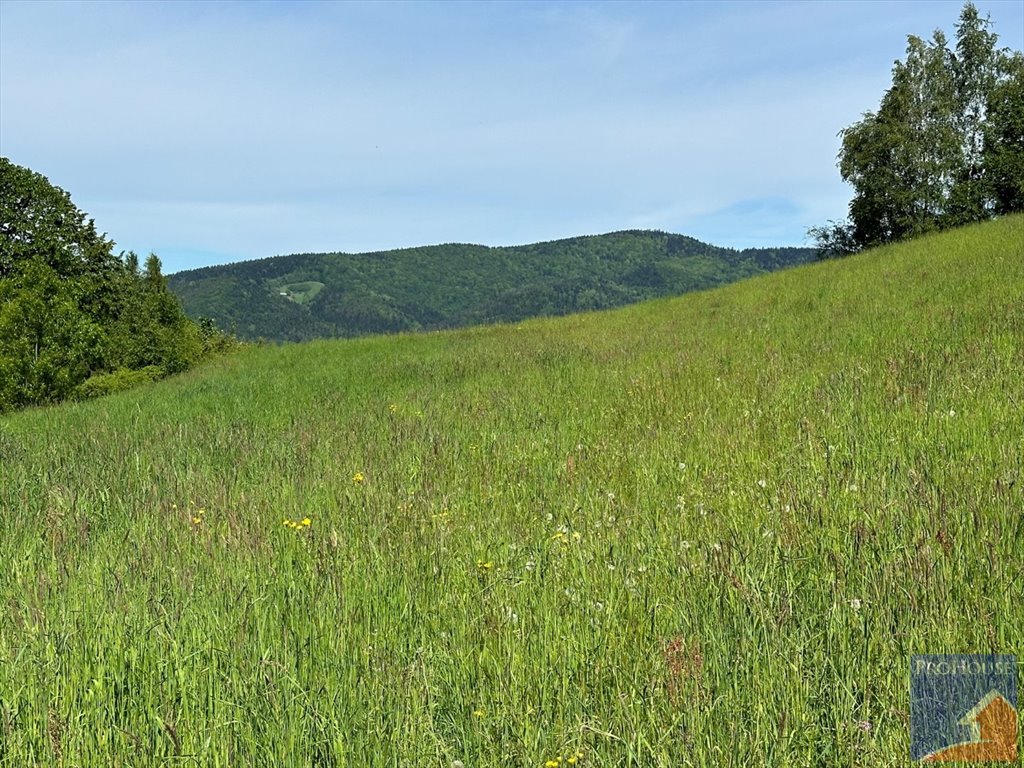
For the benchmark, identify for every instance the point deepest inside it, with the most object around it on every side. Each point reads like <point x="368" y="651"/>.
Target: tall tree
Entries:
<point x="48" y="345"/>
<point x="927" y="159"/>
<point x="976" y="72"/>
<point x="70" y="308"/>
<point x="1003" y="143"/>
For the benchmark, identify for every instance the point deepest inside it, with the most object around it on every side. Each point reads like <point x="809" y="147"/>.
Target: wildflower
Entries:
<point x="865" y="725"/>
<point x="307" y="522"/>
<point x="478" y="713"/>
<point x="358" y="478"/>
<point x="763" y="483"/>
<point x="393" y="408"/>
<point x="530" y="565"/>
<point x="484" y="565"/>
<point x="855" y="603"/>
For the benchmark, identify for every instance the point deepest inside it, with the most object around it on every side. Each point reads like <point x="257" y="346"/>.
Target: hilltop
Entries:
<point x="326" y="295"/>
<point x="706" y="530"/>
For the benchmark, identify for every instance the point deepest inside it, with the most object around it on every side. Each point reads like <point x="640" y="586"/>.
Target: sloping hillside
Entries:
<point x="326" y="295"/>
<point x="701" y="531"/>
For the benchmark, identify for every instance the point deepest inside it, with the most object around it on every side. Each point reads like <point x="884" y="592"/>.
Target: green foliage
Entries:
<point x="154" y="330"/>
<point x="705" y="531"/>
<point x="1003" y="154"/>
<point x="70" y="309"/>
<point x="945" y="148"/>
<point x="47" y="343"/>
<point x="455" y="285"/>
<point x="120" y="380"/>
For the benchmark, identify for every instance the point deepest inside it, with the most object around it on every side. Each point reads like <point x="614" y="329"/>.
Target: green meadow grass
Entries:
<point x="706" y="531"/>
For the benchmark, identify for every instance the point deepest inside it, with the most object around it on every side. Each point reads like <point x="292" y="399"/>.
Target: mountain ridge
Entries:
<point x="302" y="296"/>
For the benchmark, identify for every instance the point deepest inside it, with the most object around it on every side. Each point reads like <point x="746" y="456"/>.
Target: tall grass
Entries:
<point x="706" y="531"/>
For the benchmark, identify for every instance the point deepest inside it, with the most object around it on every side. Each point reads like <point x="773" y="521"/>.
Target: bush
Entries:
<point x="120" y="380"/>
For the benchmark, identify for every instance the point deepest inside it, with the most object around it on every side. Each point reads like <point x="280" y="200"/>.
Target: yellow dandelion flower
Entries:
<point x="197" y="520"/>
<point x="358" y="477"/>
<point x="393" y="408"/>
<point x="307" y="522"/>
<point x="478" y="713"/>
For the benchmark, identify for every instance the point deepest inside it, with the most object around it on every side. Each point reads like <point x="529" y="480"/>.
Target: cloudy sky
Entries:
<point x="212" y="132"/>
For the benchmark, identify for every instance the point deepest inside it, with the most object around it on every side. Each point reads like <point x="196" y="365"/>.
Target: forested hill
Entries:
<point x="305" y="296"/>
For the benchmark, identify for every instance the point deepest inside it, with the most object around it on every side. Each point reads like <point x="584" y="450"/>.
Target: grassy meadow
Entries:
<point x="705" y="531"/>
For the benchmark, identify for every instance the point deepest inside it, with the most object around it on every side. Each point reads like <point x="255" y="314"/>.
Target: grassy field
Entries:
<point x="706" y="531"/>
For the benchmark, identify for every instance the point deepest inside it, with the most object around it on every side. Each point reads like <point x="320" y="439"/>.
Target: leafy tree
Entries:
<point x="69" y="308"/>
<point x="151" y="330"/>
<point x="943" y="147"/>
<point x="48" y="344"/>
<point x="39" y="222"/>
<point x="1003" y="142"/>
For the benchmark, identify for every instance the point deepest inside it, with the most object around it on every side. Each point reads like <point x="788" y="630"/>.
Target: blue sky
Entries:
<point x="219" y="131"/>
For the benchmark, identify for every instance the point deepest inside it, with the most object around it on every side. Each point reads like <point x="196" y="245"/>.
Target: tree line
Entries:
<point x="75" y="319"/>
<point x="945" y="148"/>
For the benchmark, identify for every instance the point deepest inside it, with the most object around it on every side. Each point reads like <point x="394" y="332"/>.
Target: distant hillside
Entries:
<point x="324" y="295"/>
